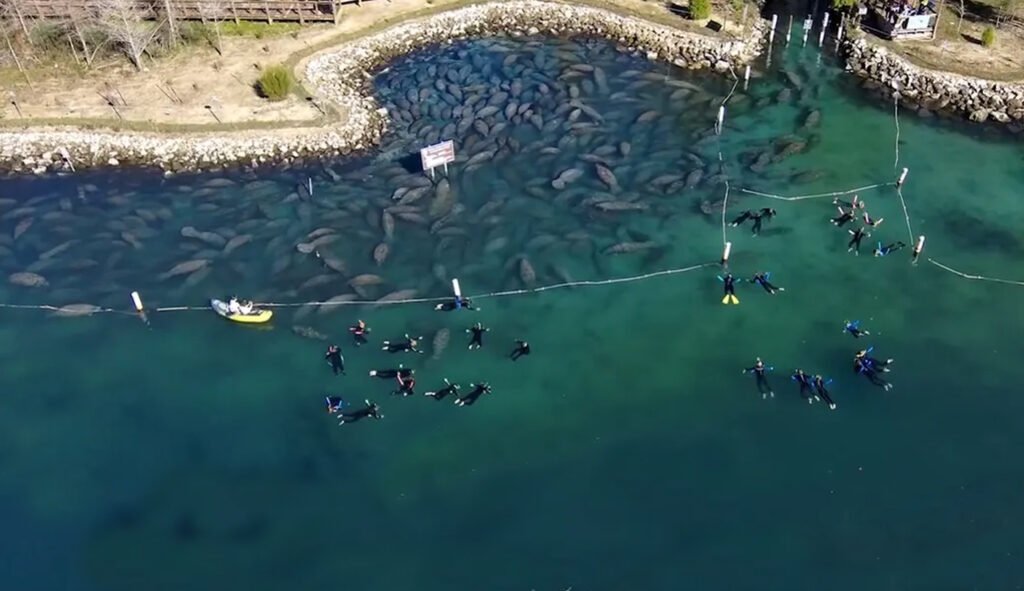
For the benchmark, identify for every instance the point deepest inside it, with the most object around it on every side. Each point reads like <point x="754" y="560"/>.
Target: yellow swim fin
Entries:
<point x="725" y="300"/>
<point x="734" y="299"/>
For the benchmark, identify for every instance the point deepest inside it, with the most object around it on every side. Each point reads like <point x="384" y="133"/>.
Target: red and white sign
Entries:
<point x="437" y="155"/>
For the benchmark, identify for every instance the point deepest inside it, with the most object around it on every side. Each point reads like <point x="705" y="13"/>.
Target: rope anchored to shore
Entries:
<point x="816" y="195"/>
<point x="973" y="277"/>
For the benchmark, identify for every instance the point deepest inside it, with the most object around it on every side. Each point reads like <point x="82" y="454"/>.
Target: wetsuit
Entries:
<point x="768" y="213"/>
<point x="334" y="404"/>
<point x="870" y="222"/>
<point x="759" y="370"/>
<point x="854" y="329"/>
<point x="477" y="391"/>
<point x="857" y="235"/>
<point x="522" y="348"/>
<point x="871" y="374"/>
<point x="335" y="359"/>
<point x="729" y="289"/>
<point x="843" y="218"/>
<point x="409" y="344"/>
<point x="881" y="251"/>
<point x="822" y="391"/>
<point x="756" y="228"/>
<point x="806" y="388"/>
<point x="371" y="410"/>
<point x="746" y="215"/>
<point x="406" y="385"/>
<point x="449" y="388"/>
<point x="478" y="331"/>
<point x="762" y="280"/>
<point x="359" y="331"/>
<point x="390" y="374"/>
<point x="455" y="304"/>
<point x="870" y="362"/>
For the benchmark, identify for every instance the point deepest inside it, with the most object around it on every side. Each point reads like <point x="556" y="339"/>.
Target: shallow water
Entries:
<point x="627" y="452"/>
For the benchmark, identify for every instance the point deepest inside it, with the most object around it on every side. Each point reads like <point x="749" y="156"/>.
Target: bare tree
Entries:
<point x="172" y="24"/>
<point x="960" y="22"/>
<point x="13" y="7"/>
<point x="125" y="22"/>
<point x="78" y="21"/>
<point x="10" y="46"/>
<point x="211" y="13"/>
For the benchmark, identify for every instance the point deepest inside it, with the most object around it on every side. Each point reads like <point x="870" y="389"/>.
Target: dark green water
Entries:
<point x="628" y="452"/>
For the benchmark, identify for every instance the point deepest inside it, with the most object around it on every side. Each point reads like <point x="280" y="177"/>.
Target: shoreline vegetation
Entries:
<point x="330" y="109"/>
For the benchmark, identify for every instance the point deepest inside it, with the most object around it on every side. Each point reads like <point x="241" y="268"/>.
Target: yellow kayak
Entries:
<point x="256" y="317"/>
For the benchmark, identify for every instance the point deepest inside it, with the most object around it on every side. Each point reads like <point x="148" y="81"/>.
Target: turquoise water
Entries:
<point x="628" y="451"/>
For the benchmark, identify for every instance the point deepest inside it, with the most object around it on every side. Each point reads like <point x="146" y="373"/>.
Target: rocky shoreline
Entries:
<point x="343" y="77"/>
<point x="936" y="92"/>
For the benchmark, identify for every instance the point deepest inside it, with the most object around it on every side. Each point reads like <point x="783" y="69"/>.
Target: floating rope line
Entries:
<point x="817" y="195"/>
<point x="497" y="294"/>
<point x="896" y="116"/>
<point x="348" y="303"/>
<point x="974" y="277"/>
<point x="910" y="231"/>
<point x="64" y="310"/>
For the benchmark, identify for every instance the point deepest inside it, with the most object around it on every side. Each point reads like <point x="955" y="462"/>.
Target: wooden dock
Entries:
<point x="270" y="11"/>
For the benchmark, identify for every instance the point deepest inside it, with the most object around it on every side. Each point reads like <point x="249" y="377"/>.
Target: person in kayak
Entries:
<point x="762" y="280"/>
<point x="359" y="331"/>
<point x="522" y="348"/>
<point x="335" y="359"/>
<point x="390" y="374"/>
<point x="334" y="404"/>
<point x="477" y="391"/>
<point x="806" y="385"/>
<point x="477" y="340"/>
<point x="759" y="370"/>
<point x="821" y="389"/>
<point x="729" y="287"/>
<point x="370" y="410"/>
<point x="457" y="303"/>
<point x="881" y="251"/>
<point x="408" y="345"/>
<point x="854" y="329"/>
<point x="449" y="389"/>
<point x="855" y="237"/>
<point x="406" y="385"/>
<point x="239" y="308"/>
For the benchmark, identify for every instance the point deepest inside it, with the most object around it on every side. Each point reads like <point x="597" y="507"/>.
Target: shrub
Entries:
<point x="988" y="37"/>
<point x="275" y="83"/>
<point x="700" y="9"/>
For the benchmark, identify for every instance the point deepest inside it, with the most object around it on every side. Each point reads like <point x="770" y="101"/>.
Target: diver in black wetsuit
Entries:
<point x="856" y="236"/>
<point x="746" y="215"/>
<point x="854" y="329"/>
<point x="359" y="331"/>
<point x="390" y="374"/>
<point x="449" y="388"/>
<point x="334" y="404"/>
<point x="843" y="218"/>
<point x="762" y="280"/>
<point x="408" y="345"/>
<point x="335" y="359"/>
<point x="872" y="375"/>
<point x="759" y="370"/>
<point x="478" y="331"/>
<point x="870" y="362"/>
<point x="881" y="251"/>
<point x="458" y="303"/>
<point x="822" y="391"/>
<point x="477" y="391"/>
<point x="806" y="387"/>
<point x="871" y="222"/>
<point x="522" y="348"/>
<point x="406" y="385"/>
<point x="371" y="410"/>
<point x="729" y="288"/>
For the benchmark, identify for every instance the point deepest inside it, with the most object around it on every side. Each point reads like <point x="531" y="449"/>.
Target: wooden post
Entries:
<point x="234" y="11"/>
<point x="938" y="17"/>
<point x="301" y="9"/>
<point x="266" y="8"/>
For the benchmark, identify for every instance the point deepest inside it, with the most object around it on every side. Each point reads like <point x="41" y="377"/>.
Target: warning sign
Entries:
<point x="437" y="155"/>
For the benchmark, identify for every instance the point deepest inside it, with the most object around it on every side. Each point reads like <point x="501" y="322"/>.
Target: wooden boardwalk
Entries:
<point x="270" y="11"/>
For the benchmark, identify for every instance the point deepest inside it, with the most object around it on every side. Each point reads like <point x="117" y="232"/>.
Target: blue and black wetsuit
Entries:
<point x="854" y="329"/>
<point x="762" y="280"/>
<point x="759" y="370"/>
<point x="856" y="236"/>
<point x="370" y="410"/>
<point x="881" y="251"/>
<point x="806" y="387"/>
<point x="821" y="389"/>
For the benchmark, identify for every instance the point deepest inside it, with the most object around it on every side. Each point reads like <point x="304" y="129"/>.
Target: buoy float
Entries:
<point x="918" y="248"/>
<point x="725" y="254"/>
<point x="903" y="177"/>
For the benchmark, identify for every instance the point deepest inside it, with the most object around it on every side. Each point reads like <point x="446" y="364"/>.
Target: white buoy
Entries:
<point x="903" y="177"/>
<point x="720" y="120"/>
<point x="824" y="27"/>
<point x="918" y="247"/>
<point x="789" y="30"/>
<point x="456" y="288"/>
<point x="746" y="77"/>
<point x="808" y="24"/>
<point x="839" y="33"/>
<point x="310" y="182"/>
<point x="771" y="34"/>
<point x="137" y="300"/>
<point x="725" y="253"/>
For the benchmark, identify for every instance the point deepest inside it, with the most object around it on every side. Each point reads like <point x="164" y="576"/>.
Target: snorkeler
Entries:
<point x="334" y="404"/>
<point x="335" y="359"/>
<point x="854" y="329"/>
<point x="359" y="331"/>
<point x="881" y="251"/>
<point x="820" y="388"/>
<point x="806" y="387"/>
<point x="478" y="331"/>
<point x="759" y="370"/>
<point x="872" y="375"/>
<point x="406" y="385"/>
<point x="371" y="410"/>
<point x="729" y="287"/>
<point x="457" y="303"/>
<point x="856" y="236"/>
<point x="449" y="388"/>
<point x="388" y="374"/>
<point x="477" y="391"/>
<point x="408" y="345"/>
<point x="843" y="218"/>
<point x="762" y="280"/>
<point x="746" y="215"/>
<point x="522" y="348"/>
<point x="869" y="221"/>
<point x="864" y="358"/>
<point x="856" y="203"/>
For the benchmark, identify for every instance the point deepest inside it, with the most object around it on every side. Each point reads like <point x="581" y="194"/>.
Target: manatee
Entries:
<point x="607" y="176"/>
<point x="27" y="279"/>
<point x="395" y="296"/>
<point x="526" y="272"/>
<point x="56" y="250"/>
<point x="336" y="302"/>
<point x="22" y="227"/>
<point x="308" y="332"/>
<point x="380" y="253"/>
<point x="620" y="206"/>
<point x="185" y="268"/>
<point x="236" y="243"/>
<point x="365" y="280"/>
<point x="440" y="343"/>
<point x="629" y="247"/>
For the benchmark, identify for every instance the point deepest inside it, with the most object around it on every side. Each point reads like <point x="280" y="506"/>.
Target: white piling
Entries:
<point x="720" y="120"/>
<point x="67" y="158"/>
<point x="808" y="23"/>
<point x="309" y="181"/>
<point x="137" y="300"/>
<point x="456" y="288"/>
<point x="824" y="27"/>
<point x="746" y="77"/>
<point x="918" y="247"/>
<point x="771" y="34"/>
<point x="839" y="33"/>
<point x="789" y="31"/>
<point x="725" y="253"/>
<point x="903" y="177"/>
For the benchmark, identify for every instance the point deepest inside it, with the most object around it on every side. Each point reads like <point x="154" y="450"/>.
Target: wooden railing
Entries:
<point x="270" y="11"/>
